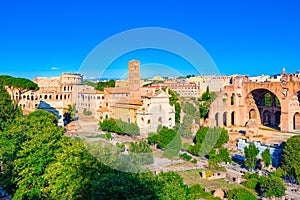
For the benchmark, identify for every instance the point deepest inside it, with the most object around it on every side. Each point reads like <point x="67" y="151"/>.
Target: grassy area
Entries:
<point x="96" y="136"/>
<point x="192" y="177"/>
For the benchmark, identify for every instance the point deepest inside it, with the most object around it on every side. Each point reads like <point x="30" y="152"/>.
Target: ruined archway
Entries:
<point x="217" y="119"/>
<point x="233" y="118"/>
<point x="265" y="107"/>
<point x="252" y="114"/>
<point x="225" y="118"/>
<point x="296" y="121"/>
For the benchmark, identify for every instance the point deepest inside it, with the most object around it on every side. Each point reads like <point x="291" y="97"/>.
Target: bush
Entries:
<point x="213" y="137"/>
<point x="120" y="147"/>
<point x="86" y="112"/>
<point x="251" y="183"/>
<point x="240" y="194"/>
<point x="194" y="161"/>
<point x="186" y="156"/>
<point x="119" y="127"/>
<point x="108" y="136"/>
<point x="141" y="153"/>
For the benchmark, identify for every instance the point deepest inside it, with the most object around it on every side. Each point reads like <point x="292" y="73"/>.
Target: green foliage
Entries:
<point x="173" y="100"/>
<point x="268" y="99"/>
<point x="90" y="83"/>
<point x="165" y="136"/>
<point x="251" y="183"/>
<point x="197" y="192"/>
<point x="7" y="111"/>
<point x="291" y="157"/>
<point x="86" y="112"/>
<point x="194" y="161"/>
<point x="208" y="138"/>
<point x="108" y="136"/>
<point x="250" y="154"/>
<point x="71" y="113"/>
<point x="105" y="84"/>
<point x="19" y="85"/>
<point x="141" y="152"/>
<point x="174" y="189"/>
<point x="191" y="114"/>
<point x="273" y="186"/>
<point x="185" y="156"/>
<point x="277" y="102"/>
<point x="221" y="156"/>
<point x="120" y="147"/>
<point x="119" y="127"/>
<point x="70" y="176"/>
<point x="206" y="95"/>
<point x="36" y="153"/>
<point x="266" y="156"/>
<point x="168" y="140"/>
<point x="240" y="194"/>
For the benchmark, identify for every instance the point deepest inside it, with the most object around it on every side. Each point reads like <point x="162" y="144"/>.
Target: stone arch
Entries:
<point x="267" y="118"/>
<point x="225" y="118"/>
<point x="217" y="119"/>
<point x="296" y="121"/>
<point x="232" y="99"/>
<point x="267" y="107"/>
<point x="233" y="121"/>
<point x="159" y="120"/>
<point x="252" y="114"/>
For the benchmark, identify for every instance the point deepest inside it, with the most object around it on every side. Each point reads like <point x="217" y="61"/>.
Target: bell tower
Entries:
<point x="134" y="79"/>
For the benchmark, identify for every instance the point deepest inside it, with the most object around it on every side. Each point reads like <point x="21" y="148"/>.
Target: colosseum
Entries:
<point x="54" y="94"/>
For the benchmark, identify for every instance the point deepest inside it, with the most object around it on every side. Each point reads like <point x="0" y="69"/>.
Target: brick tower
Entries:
<point x="134" y="79"/>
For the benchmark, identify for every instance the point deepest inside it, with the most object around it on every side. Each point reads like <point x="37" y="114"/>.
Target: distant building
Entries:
<point x="184" y="89"/>
<point x="56" y="93"/>
<point x="147" y="107"/>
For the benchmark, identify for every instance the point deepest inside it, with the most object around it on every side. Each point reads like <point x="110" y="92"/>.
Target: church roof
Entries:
<point x="117" y="90"/>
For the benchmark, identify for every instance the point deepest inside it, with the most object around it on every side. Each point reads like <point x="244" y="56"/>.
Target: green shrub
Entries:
<point x="240" y="194"/>
<point x="194" y="161"/>
<point x="186" y="156"/>
<point x="86" y="112"/>
<point x="108" y="136"/>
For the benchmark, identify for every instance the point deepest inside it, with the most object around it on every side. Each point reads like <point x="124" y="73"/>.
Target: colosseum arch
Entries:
<point x="264" y="106"/>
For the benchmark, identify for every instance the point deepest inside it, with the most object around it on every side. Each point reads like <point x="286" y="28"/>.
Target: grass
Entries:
<point x="192" y="177"/>
<point x="97" y="136"/>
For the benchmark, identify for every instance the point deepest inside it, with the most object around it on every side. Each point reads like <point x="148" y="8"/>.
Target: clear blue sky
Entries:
<point x="245" y="37"/>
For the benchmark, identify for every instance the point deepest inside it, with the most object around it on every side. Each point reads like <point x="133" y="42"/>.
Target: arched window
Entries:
<point x="268" y="99"/>
<point x="277" y="102"/>
<point x="232" y="99"/>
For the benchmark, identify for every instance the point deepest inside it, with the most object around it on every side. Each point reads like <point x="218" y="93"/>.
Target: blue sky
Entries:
<point x="244" y="37"/>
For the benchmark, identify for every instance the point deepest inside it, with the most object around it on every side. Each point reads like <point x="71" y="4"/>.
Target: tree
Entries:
<point x="221" y="156"/>
<point x="291" y="157"/>
<point x="168" y="140"/>
<point x="250" y="154"/>
<point x="7" y="111"/>
<point x="240" y="194"/>
<point x="71" y="113"/>
<point x="208" y="138"/>
<point x="19" y="86"/>
<point x="173" y="100"/>
<point x="266" y="156"/>
<point x="206" y="95"/>
<point x="36" y="154"/>
<point x="141" y="152"/>
<point x="273" y="186"/>
<point x="105" y="84"/>
<point x="119" y="127"/>
<point x="71" y="175"/>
